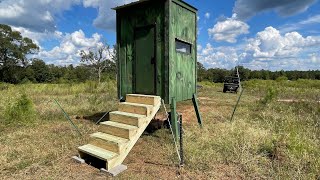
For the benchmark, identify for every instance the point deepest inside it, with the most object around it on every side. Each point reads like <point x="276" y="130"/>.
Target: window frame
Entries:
<point x="185" y="43"/>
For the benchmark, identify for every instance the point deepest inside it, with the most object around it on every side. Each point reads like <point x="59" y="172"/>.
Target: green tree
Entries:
<point x="201" y="71"/>
<point x="99" y="59"/>
<point x="41" y="71"/>
<point x="82" y="73"/>
<point x="13" y="51"/>
<point x="244" y="73"/>
<point x="14" y="47"/>
<point x="218" y="75"/>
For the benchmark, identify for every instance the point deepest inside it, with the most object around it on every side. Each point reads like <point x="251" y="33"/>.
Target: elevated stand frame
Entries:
<point x="174" y="114"/>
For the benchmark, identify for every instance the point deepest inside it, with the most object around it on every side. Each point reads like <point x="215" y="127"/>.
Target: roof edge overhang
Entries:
<point x="129" y="5"/>
<point x="144" y="1"/>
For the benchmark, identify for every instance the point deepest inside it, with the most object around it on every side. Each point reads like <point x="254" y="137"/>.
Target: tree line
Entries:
<point x="40" y="72"/>
<point x="218" y="75"/>
<point x="99" y="63"/>
<point x="16" y="67"/>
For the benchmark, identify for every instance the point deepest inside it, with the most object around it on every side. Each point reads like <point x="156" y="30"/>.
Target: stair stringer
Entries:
<point x="124" y="153"/>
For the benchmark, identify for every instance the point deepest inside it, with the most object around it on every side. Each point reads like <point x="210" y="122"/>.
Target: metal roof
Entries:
<point x="143" y="1"/>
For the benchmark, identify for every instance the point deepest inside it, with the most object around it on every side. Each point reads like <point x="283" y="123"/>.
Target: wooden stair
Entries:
<point x="116" y="137"/>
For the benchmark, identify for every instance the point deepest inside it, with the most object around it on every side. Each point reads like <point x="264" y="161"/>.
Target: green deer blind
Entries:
<point x="157" y="49"/>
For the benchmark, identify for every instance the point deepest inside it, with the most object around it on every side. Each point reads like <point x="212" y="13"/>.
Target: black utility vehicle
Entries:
<point x="231" y="84"/>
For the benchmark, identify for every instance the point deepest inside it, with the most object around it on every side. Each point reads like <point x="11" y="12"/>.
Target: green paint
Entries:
<point x="196" y="108"/>
<point x="174" y="118"/>
<point x="145" y="60"/>
<point x="67" y="117"/>
<point x="173" y="73"/>
<point x="235" y="107"/>
<point x="182" y="69"/>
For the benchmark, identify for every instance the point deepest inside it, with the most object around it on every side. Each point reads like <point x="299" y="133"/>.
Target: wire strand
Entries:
<point x="174" y="139"/>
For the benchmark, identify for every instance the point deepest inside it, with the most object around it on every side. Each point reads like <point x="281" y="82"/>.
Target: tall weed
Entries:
<point x="20" y="112"/>
<point x="271" y="95"/>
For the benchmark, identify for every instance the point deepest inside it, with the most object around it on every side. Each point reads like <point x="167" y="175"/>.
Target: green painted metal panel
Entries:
<point x="144" y="60"/>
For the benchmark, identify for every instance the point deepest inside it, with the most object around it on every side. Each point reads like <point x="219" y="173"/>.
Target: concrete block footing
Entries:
<point x="114" y="171"/>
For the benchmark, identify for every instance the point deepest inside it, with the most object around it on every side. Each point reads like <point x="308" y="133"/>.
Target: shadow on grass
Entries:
<point x="154" y="125"/>
<point x="157" y="124"/>
<point x="97" y="116"/>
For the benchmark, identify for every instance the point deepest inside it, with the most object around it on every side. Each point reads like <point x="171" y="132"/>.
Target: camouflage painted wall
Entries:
<point x="176" y="72"/>
<point x="182" y="66"/>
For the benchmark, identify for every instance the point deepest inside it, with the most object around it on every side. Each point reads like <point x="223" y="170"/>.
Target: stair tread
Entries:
<point x="142" y="95"/>
<point x="128" y="114"/>
<point x="136" y="104"/>
<point x="119" y="125"/>
<point x="97" y="152"/>
<point x="142" y="99"/>
<point x="109" y="137"/>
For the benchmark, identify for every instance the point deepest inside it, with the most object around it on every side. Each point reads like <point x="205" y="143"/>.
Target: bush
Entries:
<point x="91" y="86"/>
<point x="271" y="94"/>
<point x="282" y="78"/>
<point x="21" y="112"/>
<point x="4" y="86"/>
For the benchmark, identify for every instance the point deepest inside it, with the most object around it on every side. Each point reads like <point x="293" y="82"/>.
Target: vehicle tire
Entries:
<point x="224" y="90"/>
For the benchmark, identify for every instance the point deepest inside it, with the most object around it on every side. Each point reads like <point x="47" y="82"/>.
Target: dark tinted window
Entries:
<point x="183" y="47"/>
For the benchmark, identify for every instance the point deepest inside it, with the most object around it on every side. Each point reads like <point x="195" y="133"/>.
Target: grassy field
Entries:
<point x="275" y="133"/>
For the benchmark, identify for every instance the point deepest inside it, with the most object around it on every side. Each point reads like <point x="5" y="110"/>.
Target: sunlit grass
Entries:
<point x="268" y="138"/>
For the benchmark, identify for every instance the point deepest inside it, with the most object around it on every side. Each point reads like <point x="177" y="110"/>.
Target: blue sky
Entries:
<point x="258" y="34"/>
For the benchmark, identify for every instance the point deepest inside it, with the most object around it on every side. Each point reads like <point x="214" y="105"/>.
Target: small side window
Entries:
<point x="183" y="47"/>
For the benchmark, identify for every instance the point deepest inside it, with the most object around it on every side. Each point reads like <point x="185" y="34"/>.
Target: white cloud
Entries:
<point x="311" y="20"/>
<point x="315" y="58"/>
<point x="301" y="24"/>
<point x="248" y="8"/>
<point x="106" y="16"/>
<point x="220" y="57"/>
<point x="11" y="11"/>
<point x="269" y="49"/>
<point x="207" y="50"/>
<point x="207" y="15"/>
<point x="68" y="50"/>
<point x="269" y="44"/>
<point x="38" y="37"/>
<point x="41" y="15"/>
<point x="37" y="16"/>
<point x="228" y="30"/>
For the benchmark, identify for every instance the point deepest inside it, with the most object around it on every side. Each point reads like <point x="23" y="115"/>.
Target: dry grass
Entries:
<point x="274" y="140"/>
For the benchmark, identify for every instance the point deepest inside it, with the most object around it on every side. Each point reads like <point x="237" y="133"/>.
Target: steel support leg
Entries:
<point x="196" y="109"/>
<point x="174" y="122"/>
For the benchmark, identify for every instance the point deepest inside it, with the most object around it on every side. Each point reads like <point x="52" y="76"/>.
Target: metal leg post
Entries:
<point x="173" y="119"/>
<point x="196" y="108"/>
<point x="181" y="143"/>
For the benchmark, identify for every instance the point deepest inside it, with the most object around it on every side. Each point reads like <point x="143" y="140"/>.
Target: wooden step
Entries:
<point x="118" y="129"/>
<point x="108" y="156"/>
<point x="116" y="137"/>
<point x="127" y="118"/>
<point x="136" y="136"/>
<point x="143" y="99"/>
<point x="108" y="142"/>
<point x="135" y="108"/>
